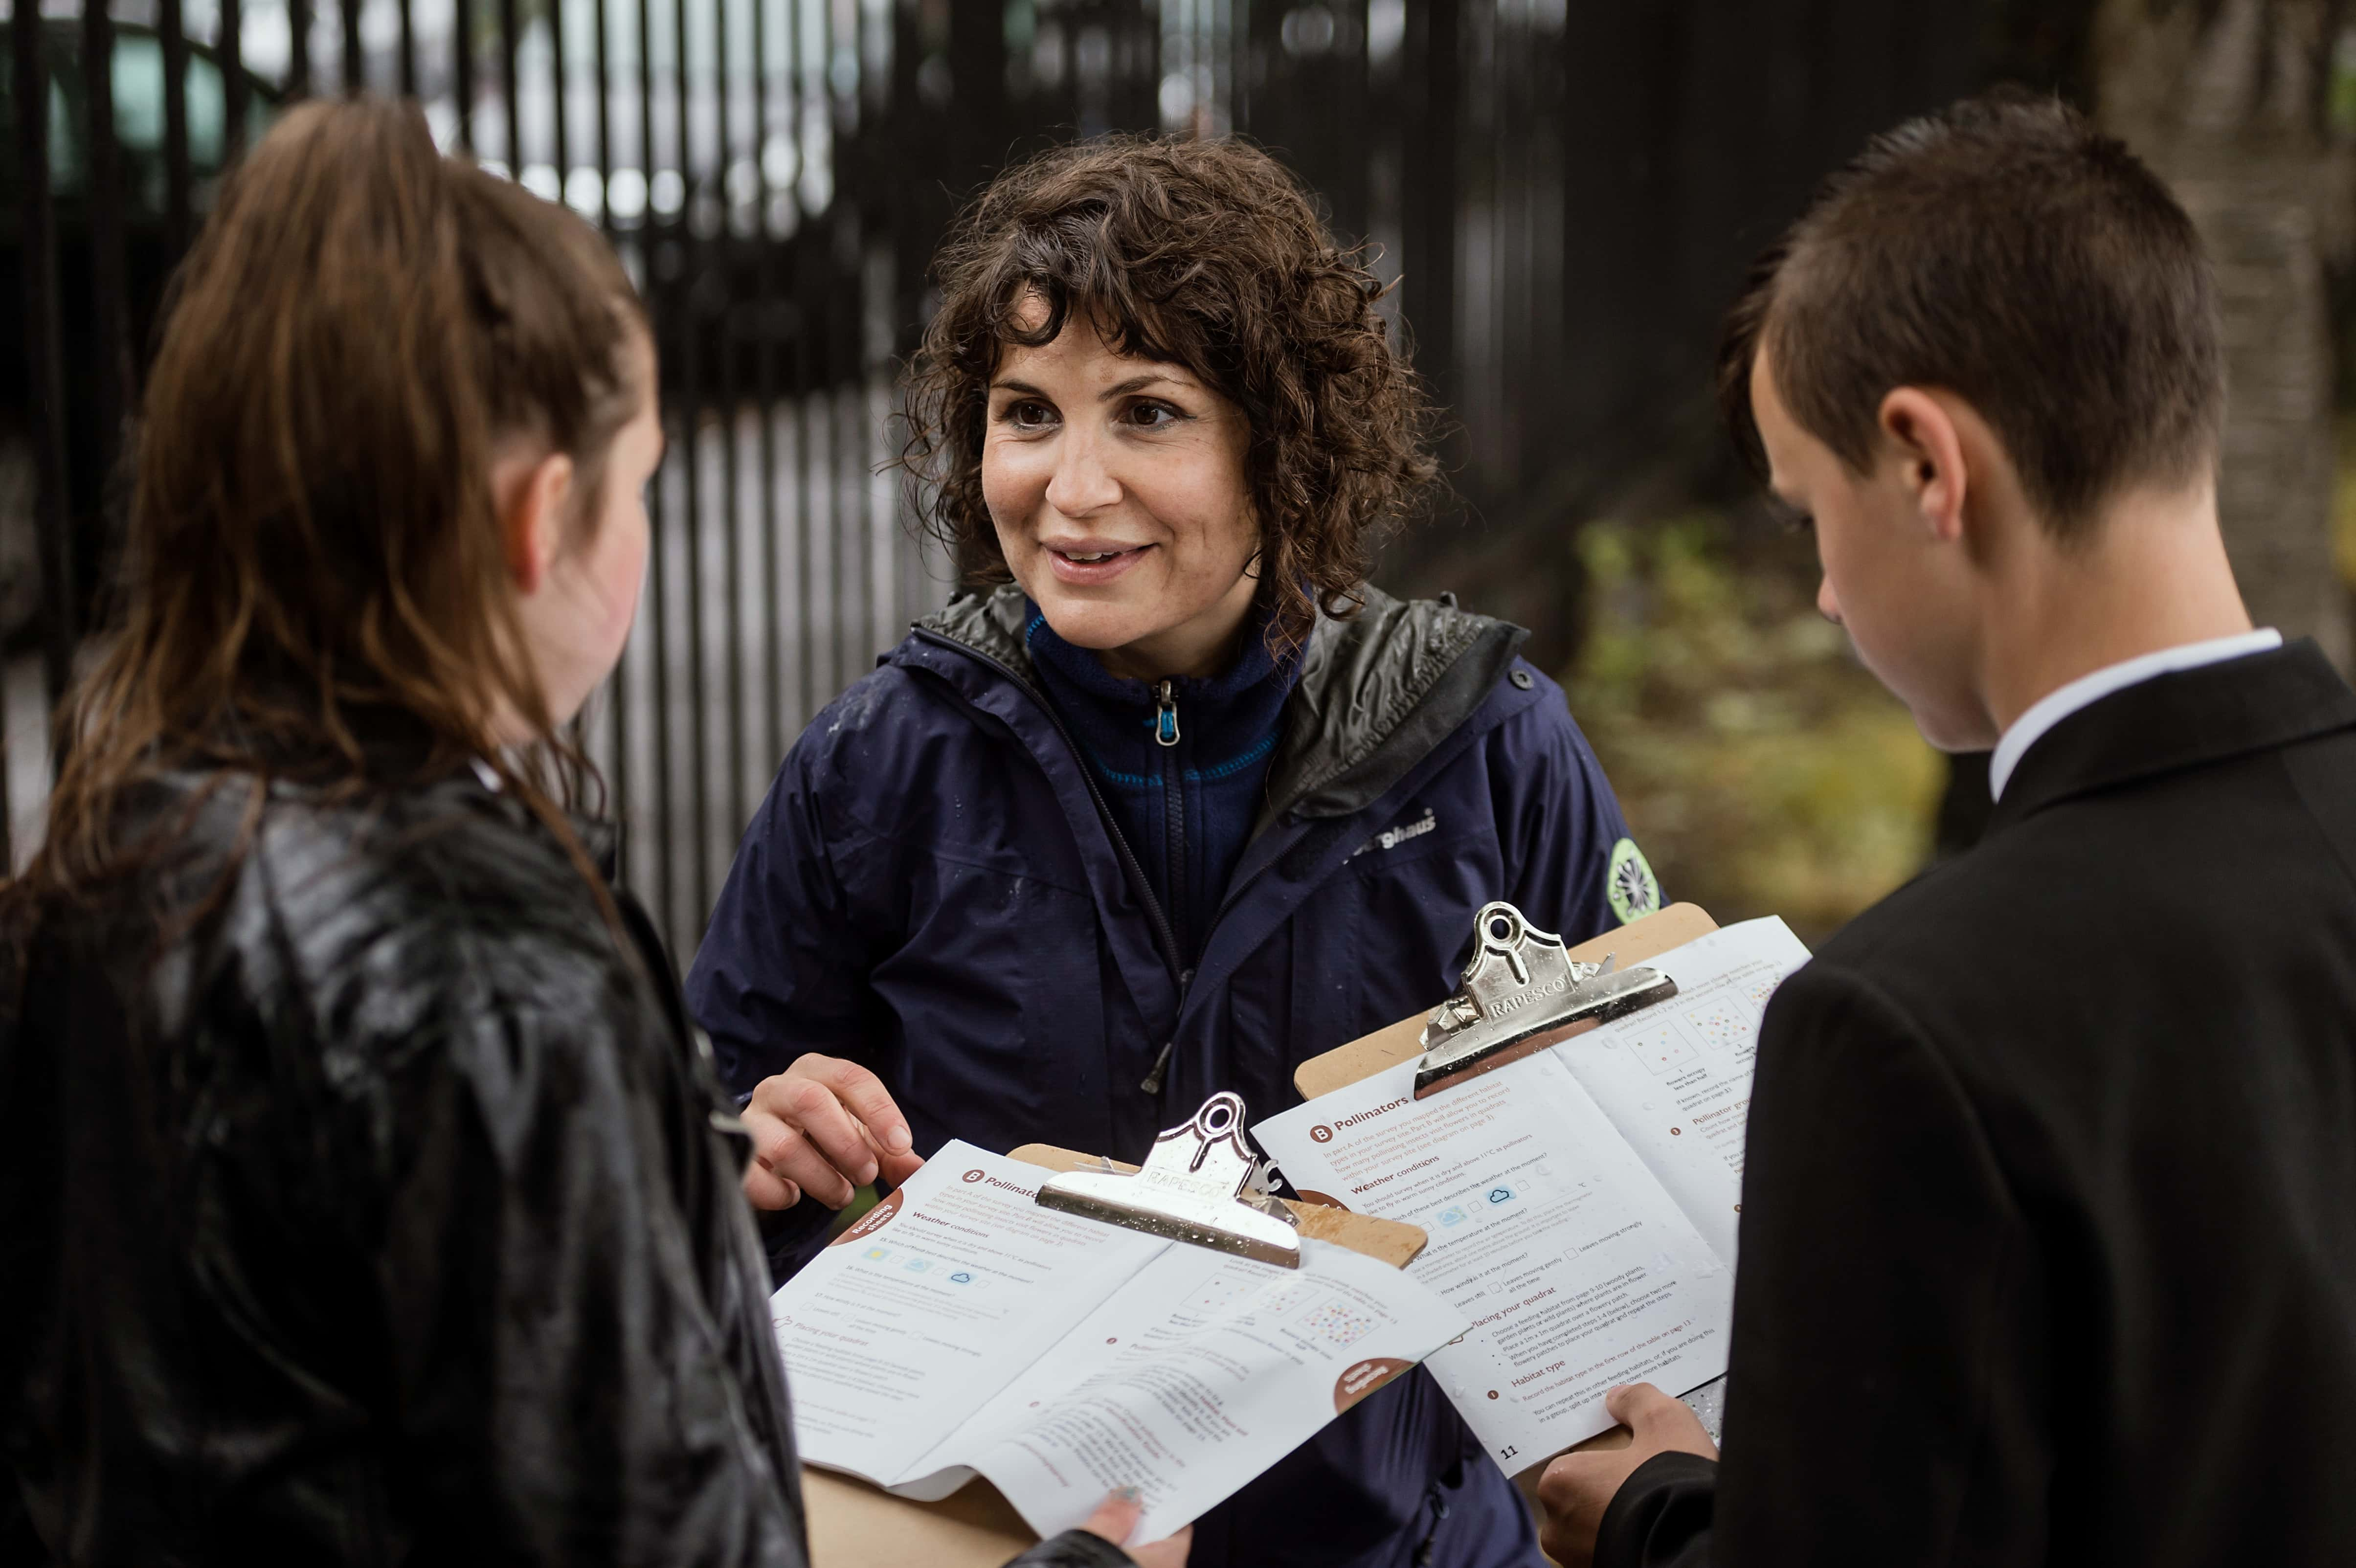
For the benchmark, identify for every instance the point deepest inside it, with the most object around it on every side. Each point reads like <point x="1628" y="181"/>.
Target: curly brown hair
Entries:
<point x="1205" y="254"/>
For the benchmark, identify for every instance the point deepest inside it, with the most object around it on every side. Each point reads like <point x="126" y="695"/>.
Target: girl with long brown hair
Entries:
<point x="364" y="1197"/>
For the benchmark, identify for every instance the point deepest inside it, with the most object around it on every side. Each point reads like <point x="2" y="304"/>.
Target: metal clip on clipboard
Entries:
<point x="1521" y="992"/>
<point x="1198" y="1185"/>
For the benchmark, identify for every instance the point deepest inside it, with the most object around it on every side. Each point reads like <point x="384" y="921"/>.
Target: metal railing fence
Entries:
<point x="1563" y="193"/>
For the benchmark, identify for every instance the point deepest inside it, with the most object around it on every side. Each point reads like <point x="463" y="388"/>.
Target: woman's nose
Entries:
<point x="1826" y="605"/>
<point x="1082" y="482"/>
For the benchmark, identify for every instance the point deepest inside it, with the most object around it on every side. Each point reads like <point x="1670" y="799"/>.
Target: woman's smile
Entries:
<point x="1091" y="562"/>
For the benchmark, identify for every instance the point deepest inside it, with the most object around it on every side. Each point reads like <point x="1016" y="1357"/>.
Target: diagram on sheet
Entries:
<point x="1722" y="1023"/>
<point x="1337" y="1323"/>
<point x="1661" y="1048"/>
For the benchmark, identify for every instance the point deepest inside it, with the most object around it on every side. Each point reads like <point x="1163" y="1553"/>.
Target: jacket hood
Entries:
<point x="1377" y="693"/>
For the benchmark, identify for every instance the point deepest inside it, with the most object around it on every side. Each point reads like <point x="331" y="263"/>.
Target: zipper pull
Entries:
<point x="1154" y="1079"/>
<point x="1165" y="715"/>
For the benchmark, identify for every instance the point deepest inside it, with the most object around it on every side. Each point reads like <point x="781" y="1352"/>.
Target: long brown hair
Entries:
<point x="313" y="548"/>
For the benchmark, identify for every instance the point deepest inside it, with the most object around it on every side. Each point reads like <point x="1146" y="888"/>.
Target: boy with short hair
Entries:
<point x="2049" y="1234"/>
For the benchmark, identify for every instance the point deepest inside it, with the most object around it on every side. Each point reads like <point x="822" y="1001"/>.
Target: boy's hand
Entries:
<point x="1578" y="1487"/>
<point x="1118" y="1516"/>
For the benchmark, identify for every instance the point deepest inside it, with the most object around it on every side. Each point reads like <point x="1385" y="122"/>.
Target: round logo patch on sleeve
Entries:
<point x="1630" y="885"/>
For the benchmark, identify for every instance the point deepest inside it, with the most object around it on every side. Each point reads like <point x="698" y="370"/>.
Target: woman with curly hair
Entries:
<point x="1176" y="801"/>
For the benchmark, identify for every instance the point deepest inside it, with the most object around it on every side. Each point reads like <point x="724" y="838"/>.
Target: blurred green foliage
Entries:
<point x="1763" y="769"/>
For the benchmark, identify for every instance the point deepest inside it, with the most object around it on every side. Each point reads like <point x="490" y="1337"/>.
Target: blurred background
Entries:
<point x="1566" y="193"/>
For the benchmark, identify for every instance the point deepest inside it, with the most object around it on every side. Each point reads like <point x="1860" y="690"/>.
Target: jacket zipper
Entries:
<point x="1173" y="801"/>
<point x="1165" y="715"/>
<point x="1162" y="931"/>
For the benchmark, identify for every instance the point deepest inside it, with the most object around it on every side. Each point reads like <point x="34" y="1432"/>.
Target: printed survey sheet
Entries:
<point x="1582" y="1203"/>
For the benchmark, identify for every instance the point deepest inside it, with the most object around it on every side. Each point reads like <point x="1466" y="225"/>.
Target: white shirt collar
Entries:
<point x="2086" y="690"/>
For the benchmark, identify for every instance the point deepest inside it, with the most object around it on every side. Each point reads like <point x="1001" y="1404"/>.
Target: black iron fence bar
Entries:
<point x="43" y="359"/>
<point x="237" y="93"/>
<point x="617" y="691"/>
<point x="764" y="394"/>
<point x="810" y="104"/>
<point x="113" y="377"/>
<point x="688" y="229"/>
<point x="355" y="79"/>
<point x="462" y="68"/>
<point x="408" y="52"/>
<point x="172" y="34"/>
<point x="656" y="598"/>
<point x="561" y="95"/>
<point x="298" y="57"/>
<point x="1430" y="291"/>
<point x="731" y="553"/>
<point x="510" y="92"/>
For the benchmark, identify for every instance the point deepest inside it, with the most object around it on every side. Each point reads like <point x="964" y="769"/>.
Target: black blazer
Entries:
<point x="2048" y="1227"/>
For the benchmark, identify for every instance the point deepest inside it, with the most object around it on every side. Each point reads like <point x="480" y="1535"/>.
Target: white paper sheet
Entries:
<point x="1676" y="1080"/>
<point x="1196" y="1376"/>
<point x="1575" y="1267"/>
<point x="912" y="1320"/>
<point x="967" y="1328"/>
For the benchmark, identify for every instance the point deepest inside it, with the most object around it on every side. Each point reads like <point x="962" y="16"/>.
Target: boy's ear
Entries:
<point x="1922" y="436"/>
<point x="530" y="496"/>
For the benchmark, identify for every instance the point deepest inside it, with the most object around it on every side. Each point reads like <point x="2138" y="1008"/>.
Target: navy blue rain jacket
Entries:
<point x="933" y="888"/>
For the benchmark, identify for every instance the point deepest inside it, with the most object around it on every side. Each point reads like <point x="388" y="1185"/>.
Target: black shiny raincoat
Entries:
<point x="364" y="1199"/>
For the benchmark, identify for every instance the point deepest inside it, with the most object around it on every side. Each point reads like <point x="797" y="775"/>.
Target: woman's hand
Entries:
<point x="826" y="1127"/>
<point x="1118" y="1516"/>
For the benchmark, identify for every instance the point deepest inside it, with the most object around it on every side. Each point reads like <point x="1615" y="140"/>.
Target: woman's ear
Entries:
<point x="531" y="494"/>
<point x="1921" y="436"/>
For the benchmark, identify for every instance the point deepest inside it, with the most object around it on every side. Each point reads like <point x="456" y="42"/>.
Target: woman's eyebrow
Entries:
<point x="1010" y="385"/>
<point x="1139" y="383"/>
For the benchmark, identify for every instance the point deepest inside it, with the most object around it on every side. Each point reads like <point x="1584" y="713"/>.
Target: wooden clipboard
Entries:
<point x="1401" y="1042"/>
<point x="855" y="1525"/>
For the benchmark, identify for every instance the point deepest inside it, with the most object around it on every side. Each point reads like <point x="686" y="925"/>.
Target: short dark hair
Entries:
<point x="1206" y="254"/>
<point x="2006" y="251"/>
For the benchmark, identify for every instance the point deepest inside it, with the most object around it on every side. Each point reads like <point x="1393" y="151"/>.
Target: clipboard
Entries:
<point x="1631" y="945"/>
<point x="855" y="1525"/>
<point x="1362" y="1057"/>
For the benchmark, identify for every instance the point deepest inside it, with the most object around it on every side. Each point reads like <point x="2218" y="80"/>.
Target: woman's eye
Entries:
<point x="1028" y="414"/>
<point x="1153" y="417"/>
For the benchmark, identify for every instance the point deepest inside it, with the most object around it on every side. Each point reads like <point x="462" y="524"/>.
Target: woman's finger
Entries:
<point x="789" y="1155"/>
<point x="764" y="1189"/>
<point x="865" y="1094"/>
<point x="810" y="1106"/>
<point x="894" y="1169"/>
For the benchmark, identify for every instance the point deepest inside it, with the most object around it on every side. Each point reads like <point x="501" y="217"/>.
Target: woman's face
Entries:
<point x="1117" y="488"/>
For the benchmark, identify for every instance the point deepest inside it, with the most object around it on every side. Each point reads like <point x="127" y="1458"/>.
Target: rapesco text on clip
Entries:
<point x="1522" y="992"/>
<point x="1192" y="1188"/>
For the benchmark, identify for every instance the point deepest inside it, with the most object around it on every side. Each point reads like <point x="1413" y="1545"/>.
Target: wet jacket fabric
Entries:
<point x="932" y="887"/>
<point x="365" y="1201"/>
